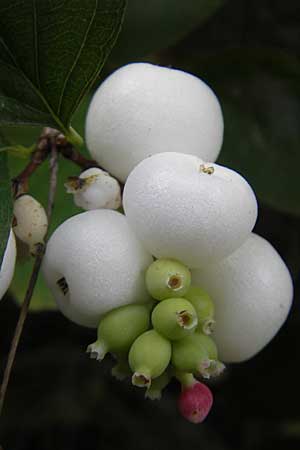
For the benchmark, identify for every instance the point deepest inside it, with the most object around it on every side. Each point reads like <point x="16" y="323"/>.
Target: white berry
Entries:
<point x="8" y="265"/>
<point x="30" y="221"/>
<point x="252" y="292"/>
<point x="95" y="189"/>
<point x="94" y="263"/>
<point x="188" y="210"/>
<point x="143" y="109"/>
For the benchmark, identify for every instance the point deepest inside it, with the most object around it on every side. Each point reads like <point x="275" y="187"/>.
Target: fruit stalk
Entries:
<point x="31" y="284"/>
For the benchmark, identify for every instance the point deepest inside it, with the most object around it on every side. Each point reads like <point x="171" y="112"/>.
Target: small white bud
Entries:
<point x="30" y="222"/>
<point x="8" y="265"/>
<point x="95" y="189"/>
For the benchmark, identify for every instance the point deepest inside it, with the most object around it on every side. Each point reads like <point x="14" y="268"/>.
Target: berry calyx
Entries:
<point x="204" y="307"/>
<point x="149" y="356"/>
<point x="118" y="329"/>
<point x="167" y="278"/>
<point x="174" y="318"/>
<point x="97" y="350"/>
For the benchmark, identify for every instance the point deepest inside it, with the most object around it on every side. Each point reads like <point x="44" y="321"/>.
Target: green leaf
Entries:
<point x="51" y="52"/>
<point x="153" y="25"/>
<point x="6" y="205"/>
<point x="259" y="93"/>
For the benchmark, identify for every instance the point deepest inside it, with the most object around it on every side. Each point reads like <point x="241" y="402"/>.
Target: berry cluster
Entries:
<point x="153" y="342"/>
<point x="159" y="131"/>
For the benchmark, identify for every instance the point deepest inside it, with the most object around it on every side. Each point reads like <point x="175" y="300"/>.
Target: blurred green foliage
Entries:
<point x="152" y="25"/>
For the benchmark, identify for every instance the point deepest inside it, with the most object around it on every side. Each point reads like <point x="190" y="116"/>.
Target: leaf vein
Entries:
<point x="91" y="80"/>
<point x="77" y="56"/>
<point x="18" y="102"/>
<point x="35" y="39"/>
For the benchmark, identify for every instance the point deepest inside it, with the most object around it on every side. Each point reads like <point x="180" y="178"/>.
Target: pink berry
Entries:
<point x="195" y="402"/>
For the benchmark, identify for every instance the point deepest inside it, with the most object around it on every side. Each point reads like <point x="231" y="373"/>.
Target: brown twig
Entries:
<point x="41" y="152"/>
<point x="53" y="177"/>
<point x="69" y="152"/>
<point x="33" y="278"/>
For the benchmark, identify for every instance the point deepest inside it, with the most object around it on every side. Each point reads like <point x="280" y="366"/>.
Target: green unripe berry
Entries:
<point x="197" y="354"/>
<point x="167" y="278"/>
<point x="204" y="307"/>
<point x="174" y="318"/>
<point x="149" y="357"/>
<point x="154" y="391"/>
<point x="121" y="369"/>
<point x="202" y="340"/>
<point x="118" y="329"/>
<point x="188" y="357"/>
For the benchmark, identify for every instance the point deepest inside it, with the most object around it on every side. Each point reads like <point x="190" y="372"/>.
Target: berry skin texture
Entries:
<point x="95" y="189"/>
<point x="182" y="208"/>
<point x="143" y="109"/>
<point x="167" y="278"/>
<point x="31" y="222"/>
<point x="174" y="318"/>
<point x="93" y="264"/>
<point x="8" y="264"/>
<point x="148" y="358"/>
<point x="204" y="307"/>
<point x="252" y="291"/>
<point x="118" y="330"/>
<point x="195" y="402"/>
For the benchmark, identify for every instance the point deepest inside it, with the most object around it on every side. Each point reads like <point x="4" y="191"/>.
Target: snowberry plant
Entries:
<point x="163" y="262"/>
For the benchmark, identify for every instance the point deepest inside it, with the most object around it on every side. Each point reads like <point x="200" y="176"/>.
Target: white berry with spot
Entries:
<point x="252" y="292"/>
<point x="30" y="222"/>
<point x="95" y="189"/>
<point x="8" y="264"/>
<point x="143" y="109"/>
<point x="188" y="210"/>
<point x="94" y="263"/>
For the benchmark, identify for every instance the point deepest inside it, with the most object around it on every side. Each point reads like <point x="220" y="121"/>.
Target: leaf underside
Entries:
<point x="51" y="52"/>
<point x="171" y="20"/>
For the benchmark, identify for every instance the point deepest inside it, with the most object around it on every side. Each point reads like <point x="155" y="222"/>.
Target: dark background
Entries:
<point x="59" y="399"/>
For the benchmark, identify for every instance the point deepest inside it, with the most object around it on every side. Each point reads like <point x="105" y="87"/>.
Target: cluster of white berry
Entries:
<point x="159" y="131"/>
